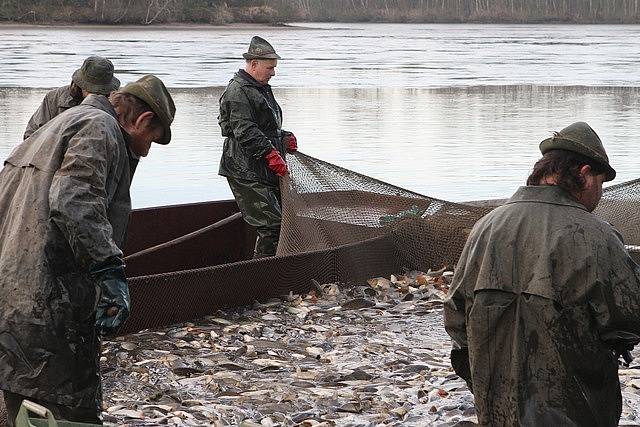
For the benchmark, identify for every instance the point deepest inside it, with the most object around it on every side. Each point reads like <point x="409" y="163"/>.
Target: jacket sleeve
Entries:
<point x="455" y="323"/>
<point x="78" y="196"/>
<point x="42" y="115"/>
<point x="237" y="121"/>
<point x="615" y="297"/>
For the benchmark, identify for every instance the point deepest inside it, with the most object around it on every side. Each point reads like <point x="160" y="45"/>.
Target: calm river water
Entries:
<point x="452" y="111"/>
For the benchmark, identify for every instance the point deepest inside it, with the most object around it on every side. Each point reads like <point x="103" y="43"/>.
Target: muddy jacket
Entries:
<point x="64" y="208"/>
<point x="54" y="103"/>
<point x="542" y="293"/>
<point x="250" y="119"/>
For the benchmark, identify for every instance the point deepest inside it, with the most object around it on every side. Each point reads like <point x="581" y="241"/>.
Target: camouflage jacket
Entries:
<point x="54" y="103"/>
<point x="64" y="208"/>
<point x="543" y="292"/>
<point x="251" y="123"/>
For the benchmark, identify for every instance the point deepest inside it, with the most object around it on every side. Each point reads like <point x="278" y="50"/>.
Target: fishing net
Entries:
<point x="326" y="206"/>
<point x="337" y="226"/>
<point x="620" y="206"/>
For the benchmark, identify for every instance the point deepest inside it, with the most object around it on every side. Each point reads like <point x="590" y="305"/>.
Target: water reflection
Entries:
<point x="331" y="55"/>
<point x="456" y="143"/>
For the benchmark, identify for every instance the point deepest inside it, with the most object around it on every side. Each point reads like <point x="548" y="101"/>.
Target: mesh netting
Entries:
<point x="338" y="226"/>
<point x="325" y="206"/>
<point x="619" y="206"/>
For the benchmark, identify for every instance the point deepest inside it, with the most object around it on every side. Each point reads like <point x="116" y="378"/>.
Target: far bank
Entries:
<point x="278" y="12"/>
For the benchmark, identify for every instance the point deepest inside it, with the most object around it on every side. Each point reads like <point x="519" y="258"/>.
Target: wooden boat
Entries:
<point x="183" y="237"/>
<point x="186" y="261"/>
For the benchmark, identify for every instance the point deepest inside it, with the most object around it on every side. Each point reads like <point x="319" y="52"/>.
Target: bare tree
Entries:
<point x="161" y="9"/>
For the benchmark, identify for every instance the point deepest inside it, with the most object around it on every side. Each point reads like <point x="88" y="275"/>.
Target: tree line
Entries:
<point x="280" y="11"/>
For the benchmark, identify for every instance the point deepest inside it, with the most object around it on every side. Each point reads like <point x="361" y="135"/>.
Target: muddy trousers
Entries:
<point x="260" y="207"/>
<point x="13" y="401"/>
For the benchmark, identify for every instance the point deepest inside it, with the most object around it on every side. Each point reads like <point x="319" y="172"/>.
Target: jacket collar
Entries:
<point x="550" y="194"/>
<point x="100" y="102"/>
<point x="66" y="100"/>
<point x="245" y="79"/>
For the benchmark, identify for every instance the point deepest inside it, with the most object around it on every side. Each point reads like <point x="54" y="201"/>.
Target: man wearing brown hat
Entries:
<point x="255" y="144"/>
<point x="94" y="76"/>
<point x="64" y="209"/>
<point x="545" y="296"/>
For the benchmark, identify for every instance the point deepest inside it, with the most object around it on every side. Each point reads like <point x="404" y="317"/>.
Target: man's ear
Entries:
<point x="144" y="119"/>
<point x="585" y="170"/>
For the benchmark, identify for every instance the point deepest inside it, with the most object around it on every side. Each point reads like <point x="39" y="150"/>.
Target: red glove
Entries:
<point x="292" y="143"/>
<point x="276" y="163"/>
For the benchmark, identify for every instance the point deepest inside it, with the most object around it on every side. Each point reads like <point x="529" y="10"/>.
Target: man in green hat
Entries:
<point x="255" y="144"/>
<point x="64" y="210"/>
<point x="94" y="76"/>
<point x="545" y="296"/>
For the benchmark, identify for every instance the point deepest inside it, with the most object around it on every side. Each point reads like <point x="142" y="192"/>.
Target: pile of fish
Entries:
<point x="375" y="354"/>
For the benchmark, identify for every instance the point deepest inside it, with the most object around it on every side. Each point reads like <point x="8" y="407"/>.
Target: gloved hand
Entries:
<point x="621" y="342"/>
<point x="623" y="349"/>
<point x="292" y="143"/>
<point x="276" y="163"/>
<point x="461" y="365"/>
<point x="114" y="304"/>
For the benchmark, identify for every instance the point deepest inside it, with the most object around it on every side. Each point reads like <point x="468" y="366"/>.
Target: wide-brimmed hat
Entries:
<point x="151" y="90"/>
<point x="580" y="138"/>
<point x="96" y="76"/>
<point x="259" y="48"/>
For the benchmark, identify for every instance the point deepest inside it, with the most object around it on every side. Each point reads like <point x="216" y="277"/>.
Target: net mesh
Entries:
<point x="619" y="206"/>
<point x="325" y="206"/>
<point x="337" y="226"/>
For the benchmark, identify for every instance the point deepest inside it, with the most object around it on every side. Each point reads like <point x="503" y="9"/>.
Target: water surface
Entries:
<point x="330" y="55"/>
<point x="453" y="111"/>
<point x="456" y="144"/>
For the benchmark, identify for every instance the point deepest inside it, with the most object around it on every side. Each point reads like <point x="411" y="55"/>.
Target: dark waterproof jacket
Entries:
<point x="542" y="292"/>
<point x="54" y="103"/>
<point x="64" y="208"/>
<point x="251" y="120"/>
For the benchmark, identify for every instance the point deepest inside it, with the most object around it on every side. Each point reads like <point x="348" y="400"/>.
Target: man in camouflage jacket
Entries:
<point x="94" y="76"/>
<point x="545" y="297"/>
<point x="64" y="210"/>
<point x="255" y="144"/>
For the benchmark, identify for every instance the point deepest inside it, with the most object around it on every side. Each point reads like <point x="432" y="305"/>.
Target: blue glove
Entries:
<point x="114" y="304"/>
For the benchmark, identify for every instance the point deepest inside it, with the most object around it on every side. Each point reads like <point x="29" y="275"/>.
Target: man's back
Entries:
<point x="535" y="288"/>
<point x="55" y="102"/>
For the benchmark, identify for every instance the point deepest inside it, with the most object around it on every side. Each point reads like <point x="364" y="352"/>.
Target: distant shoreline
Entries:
<point x="297" y="25"/>
<point x="167" y="26"/>
<point x="281" y="12"/>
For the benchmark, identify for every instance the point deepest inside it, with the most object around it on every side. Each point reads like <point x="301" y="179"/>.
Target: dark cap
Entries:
<point x="151" y="90"/>
<point x="580" y="138"/>
<point x="259" y="48"/>
<point x="96" y="76"/>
